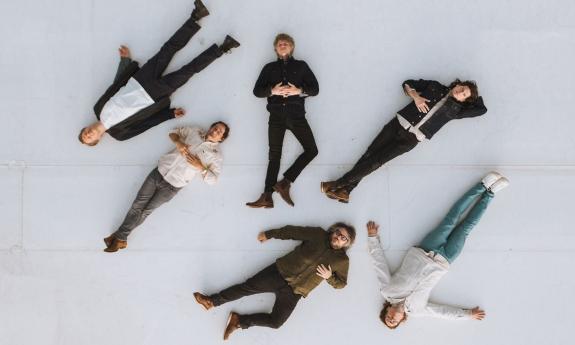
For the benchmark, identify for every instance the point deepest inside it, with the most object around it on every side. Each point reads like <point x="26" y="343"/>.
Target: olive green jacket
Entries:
<point x="299" y="266"/>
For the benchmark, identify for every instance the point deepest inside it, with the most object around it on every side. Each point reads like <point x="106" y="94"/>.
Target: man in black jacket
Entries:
<point x="433" y="106"/>
<point x="285" y="83"/>
<point x="139" y="98"/>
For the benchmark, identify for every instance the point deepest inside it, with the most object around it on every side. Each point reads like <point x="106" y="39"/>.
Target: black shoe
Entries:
<point x="200" y="11"/>
<point x="229" y="43"/>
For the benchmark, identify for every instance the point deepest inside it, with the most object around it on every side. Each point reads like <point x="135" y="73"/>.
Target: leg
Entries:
<point x="276" y="133"/>
<point x="456" y="240"/>
<point x="302" y="131"/>
<point x="285" y="303"/>
<point x="438" y="237"/>
<point x="178" y="78"/>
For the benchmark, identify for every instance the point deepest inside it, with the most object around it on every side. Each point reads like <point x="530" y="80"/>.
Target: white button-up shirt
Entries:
<point x="175" y="168"/>
<point x="130" y="99"/>
<point x="412" y="283"/>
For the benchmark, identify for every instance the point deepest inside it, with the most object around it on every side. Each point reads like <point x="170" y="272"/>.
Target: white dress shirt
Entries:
<point x="175" y="168"/>
<point x="412" y="283"/>
<point x="415" y="129"/>
<point x="130" y="99"/>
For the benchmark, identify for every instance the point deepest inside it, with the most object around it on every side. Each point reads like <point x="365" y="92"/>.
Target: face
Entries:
<point x="394" y="315"/>
<point x="91" y="134"/>
<point x="283" y="48"/>
<point x="340" y="238"/>
<point x="461" y="93"/>
<point x="216" y="133"/>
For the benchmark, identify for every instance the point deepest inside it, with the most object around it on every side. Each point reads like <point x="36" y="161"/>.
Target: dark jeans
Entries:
<point x="154" y="192"/>
<point x="150" y="75"/>
<point x="392" y="141"/>
<point x="267" y="280"/>
<point x="278" y="123"/>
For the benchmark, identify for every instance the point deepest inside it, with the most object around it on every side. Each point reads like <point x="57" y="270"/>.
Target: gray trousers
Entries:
<point x="154" y="192"/>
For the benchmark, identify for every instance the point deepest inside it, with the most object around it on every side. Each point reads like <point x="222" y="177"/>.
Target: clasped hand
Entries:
<point x="286" y="90"/>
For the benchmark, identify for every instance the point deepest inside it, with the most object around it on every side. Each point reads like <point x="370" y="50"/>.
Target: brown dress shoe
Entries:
<point x="265" y="201"/>
<point x="338" y="194"/>
<point x="282" y="187"/>
<point x="233" y="324"/>
<point x="325" y="186"/>
<point x="204" y="300"/>
<point x="115" y="245"/>
<point x="108" y="240"/>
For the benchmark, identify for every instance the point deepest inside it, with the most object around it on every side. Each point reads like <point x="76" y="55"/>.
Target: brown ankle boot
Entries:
<point x="233" y="324"/>
<point x="341" y="195"/>
<point x="116" y="245"/>
<point x="204" y="300"/>
<point x="282" y="187"/>
<point x="325" y="186"/>
<point x="265" y="201"/>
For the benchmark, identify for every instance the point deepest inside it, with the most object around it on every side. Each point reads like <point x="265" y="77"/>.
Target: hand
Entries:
<point x="372" y="228"/>
<point x="183" y="148"/>
<point x="124" y="52"/>
<point x="291" y="90"/>
<point x="421" y="103"/>
<point x="194" y="161"/>
<point x="262" y="237"/>
<point x="323" y="272"/>
<point x="477" y="314"/>
<point x="277" y="90"/>
<point x="179" y="112"/>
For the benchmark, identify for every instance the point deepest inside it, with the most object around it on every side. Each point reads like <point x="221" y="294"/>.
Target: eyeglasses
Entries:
<point x="341" y="236"/>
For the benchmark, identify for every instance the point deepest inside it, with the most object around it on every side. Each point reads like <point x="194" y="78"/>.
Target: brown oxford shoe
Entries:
<point x="115" y="245"/>
<point x="265" y="201"/>
<point x="204" y="300"/>
<point x="108" y="240"/>
<point x="282" y="187"/>
<point x="339" y="194"/>
<point x="233" y="324"/>
<point x="325" y="186"/>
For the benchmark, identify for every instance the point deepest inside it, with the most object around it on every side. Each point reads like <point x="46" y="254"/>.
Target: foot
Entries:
<point x="229" y="43"/>
<point x="204" y="300"/>
<point x="115" y="245"/>
<point x="490" y="179"/>
<point x="108" y="240"/>
<point x="341" y="195"/>
<point x="325" y="186"/>
<point x="282" y="187"/>
<point x="200" y="11"/>
<point x="499" y="185"/>
<point x="265" y="201"/>
<point x="233" y="324"/>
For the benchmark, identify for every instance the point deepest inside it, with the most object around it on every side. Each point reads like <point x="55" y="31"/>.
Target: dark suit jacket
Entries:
<point x="142" y="120"/>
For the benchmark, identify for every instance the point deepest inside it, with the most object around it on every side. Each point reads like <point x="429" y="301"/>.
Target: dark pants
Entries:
<point x="154" y="192"/>
<point x="278" y="123"/>
<point x="267" y="280"/>
<point x="150" y="75"/>
<point x="392" y="141"/>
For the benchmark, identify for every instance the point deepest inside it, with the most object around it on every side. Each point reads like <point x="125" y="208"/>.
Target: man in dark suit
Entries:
<point x="139" y="98"/>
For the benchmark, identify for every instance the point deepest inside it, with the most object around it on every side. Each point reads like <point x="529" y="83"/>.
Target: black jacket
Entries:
<point x="142" y="120"/>
<point x="452" y="109"/>
<point x="292" y="71"/>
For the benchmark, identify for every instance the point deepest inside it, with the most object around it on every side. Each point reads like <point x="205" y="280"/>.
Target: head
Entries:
<point x="90" y="135"/>
<point x="392" y="315"/>
<point x="218" y="132"/>
<point x="341" y="235"/>
<point x="464" y="91"/>
<point x="284" y="45"/>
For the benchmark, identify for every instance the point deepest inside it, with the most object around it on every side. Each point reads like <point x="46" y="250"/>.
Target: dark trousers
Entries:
<point x="154" y="192"/>
<point x="150" y="75"/>
<point x="278" y="123"/>
<point x="392" y="141"/>
<point x="267" y="280"/>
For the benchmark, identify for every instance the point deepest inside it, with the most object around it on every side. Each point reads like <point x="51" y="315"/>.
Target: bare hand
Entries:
<point x="277" y="90"/>
<point x="179" y="112"/>
<point x="124" y="51"/>
<point x="372" y="228"/>
<point x="477" y="314"/>
<point x="262" y="237"/>
<point x="291" y="90"/>
<point x="323" y="272"/>
<point x="194" y="160"/>
<point x="421" y="104"/>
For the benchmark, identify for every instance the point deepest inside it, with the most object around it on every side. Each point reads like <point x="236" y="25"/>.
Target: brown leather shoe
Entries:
<point x="325" y="186"/>
<point x="115" y="245"/>
<point x="282" y="187"/>
<point x="233" y="324"/>
<point x="338" y="194"/>
<point x="108" y="240"/>
<point x="265" y="201"/>
<point x="204" y="300"/>
<point x="200" y="11"/>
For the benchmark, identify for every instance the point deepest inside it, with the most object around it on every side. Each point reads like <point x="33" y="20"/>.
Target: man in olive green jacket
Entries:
<point x="320" y="256"/>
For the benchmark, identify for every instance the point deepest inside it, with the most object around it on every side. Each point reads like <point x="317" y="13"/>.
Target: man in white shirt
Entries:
<point x="196" y="154"/>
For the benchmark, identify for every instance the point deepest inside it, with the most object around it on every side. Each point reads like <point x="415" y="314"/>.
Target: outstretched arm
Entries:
<point x="125" y="59"/>
<point x="449" y="312"/>
<point x="290" y="232"/>
<point x="377" y="255"/>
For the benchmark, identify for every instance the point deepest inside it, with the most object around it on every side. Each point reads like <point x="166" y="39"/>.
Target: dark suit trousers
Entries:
<point x="279" y="122"/>
<point x="150" y="75"/>
<point x="392" y="141"/>
<point x="267" y="280"/>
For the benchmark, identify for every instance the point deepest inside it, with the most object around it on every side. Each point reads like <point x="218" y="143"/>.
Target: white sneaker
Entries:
<point x="499" y="185"/>
<point x="490" y="179"/>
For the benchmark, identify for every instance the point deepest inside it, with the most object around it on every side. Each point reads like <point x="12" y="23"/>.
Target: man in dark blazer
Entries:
<point x="433" y="106"/>
<point x="139" y="98"/>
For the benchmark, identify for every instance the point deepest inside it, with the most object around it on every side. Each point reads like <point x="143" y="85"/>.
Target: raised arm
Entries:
<point x="298" y="233"/>
<point x="377" y="255"/>
<point x="474" y="109"/>
<point x="125" y="60"/>
<point x="449" y="312"/>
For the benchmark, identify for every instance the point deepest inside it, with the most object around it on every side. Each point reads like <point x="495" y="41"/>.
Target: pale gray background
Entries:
<point x="59" y="199"/>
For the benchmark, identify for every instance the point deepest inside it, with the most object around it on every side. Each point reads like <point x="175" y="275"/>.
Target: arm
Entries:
<point x="472" y="110"/>
<point x="378" y="260"/>
<point x="212" y="169"/>
<point x="263" y="87"/>
<point x="444" y="311"/>
<point x="310" y="86"/>
<point x="125" y="60"/>
<point x="417" y="85"/>
<point x="413" y="89"/>
<point x="338" y="279"/>
<point x="290" y="232"/>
